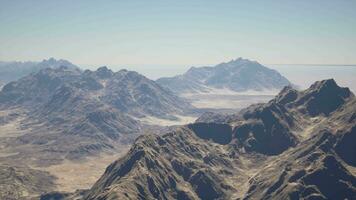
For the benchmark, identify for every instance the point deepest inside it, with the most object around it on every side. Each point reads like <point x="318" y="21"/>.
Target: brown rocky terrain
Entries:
<point x="19" y="181"/>
<point x="300" y="145"/>
<point x="62" y="116"/>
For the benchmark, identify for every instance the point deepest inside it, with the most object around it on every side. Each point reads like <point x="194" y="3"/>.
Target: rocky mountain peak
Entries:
<point x="103" y="72"/>
<point x="50" y="60"/>
<point x="240" y="60"/>
<point x="324" y="84"/>
<point x="329" y="86"/>
<point x="286" y="95"/>
<point x="123" y="71"/>
<point x="128" y="75"/>
<point x="323" y="97"/>
<point x="54" y="63"/>
<point x="237" y="75"/>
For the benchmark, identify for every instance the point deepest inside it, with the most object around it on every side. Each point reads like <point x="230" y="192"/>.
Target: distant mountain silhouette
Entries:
<point x="11" y="71"/>
<point x="237" y="75"/>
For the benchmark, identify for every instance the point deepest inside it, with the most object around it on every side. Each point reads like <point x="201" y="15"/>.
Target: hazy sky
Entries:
<point x="179" y="32"/>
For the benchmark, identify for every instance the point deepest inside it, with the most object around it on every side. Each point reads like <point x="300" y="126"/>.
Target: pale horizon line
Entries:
<point x="187" y="65"/>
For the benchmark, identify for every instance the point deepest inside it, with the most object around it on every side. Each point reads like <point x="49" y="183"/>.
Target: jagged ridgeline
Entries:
<point x="11" y="71"/>
<point x="300" y="145"/>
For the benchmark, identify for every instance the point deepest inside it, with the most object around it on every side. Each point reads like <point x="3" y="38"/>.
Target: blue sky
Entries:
<point x="160" y="32"/>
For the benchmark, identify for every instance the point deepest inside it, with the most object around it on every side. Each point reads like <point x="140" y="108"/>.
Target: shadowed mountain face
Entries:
<point x="284" y="149"/>
<point x="322" y="97"/>
<point x="11" y="71"/>
<point x="65" y="112"/>
<point x="236" y="75"/>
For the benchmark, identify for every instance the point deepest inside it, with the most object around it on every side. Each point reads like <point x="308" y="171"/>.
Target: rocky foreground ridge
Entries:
<point x="300" y="145"/>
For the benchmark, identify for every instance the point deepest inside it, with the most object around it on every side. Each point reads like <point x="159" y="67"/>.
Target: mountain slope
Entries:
<point x="66" y="113"/>
<point x="236" y="75"/>
<point x="125" y="90"/>
<point x="21" y="182"/>
<point x="277" y="150"/>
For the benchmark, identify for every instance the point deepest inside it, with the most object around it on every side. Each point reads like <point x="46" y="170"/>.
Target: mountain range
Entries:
<point x="11" y="71"/>
<point x="65" y="113"/>
<point x="299" y="145"/>
<point x="237" y="75"/>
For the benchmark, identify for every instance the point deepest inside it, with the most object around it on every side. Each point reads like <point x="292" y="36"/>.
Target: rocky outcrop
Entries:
<point x="22" y="182"/>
